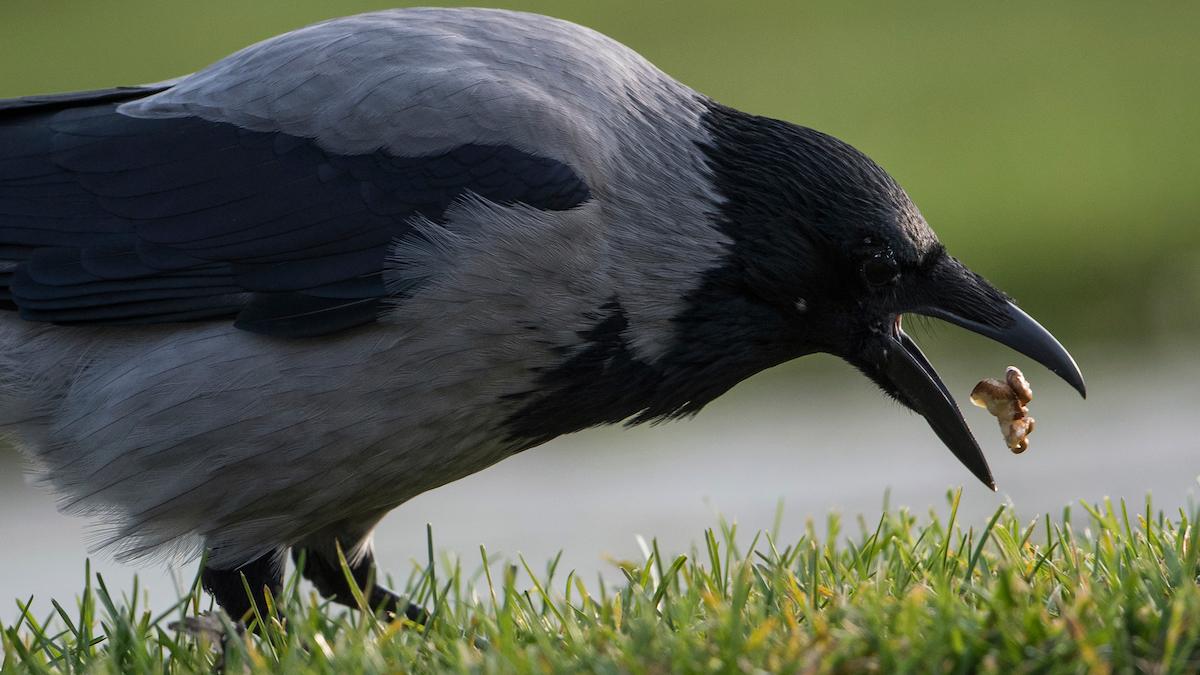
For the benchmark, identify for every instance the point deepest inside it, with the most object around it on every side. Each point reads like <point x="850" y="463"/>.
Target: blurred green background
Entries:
<point x="1053" y="146"/>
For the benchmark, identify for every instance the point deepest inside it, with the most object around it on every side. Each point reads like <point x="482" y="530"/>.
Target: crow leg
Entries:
<point x="323" y="569"/>
<point x="262" y="574"/>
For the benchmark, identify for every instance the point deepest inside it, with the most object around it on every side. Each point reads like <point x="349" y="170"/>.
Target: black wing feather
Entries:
<point x="111" y="219"/>
<point x="50" y="102"/>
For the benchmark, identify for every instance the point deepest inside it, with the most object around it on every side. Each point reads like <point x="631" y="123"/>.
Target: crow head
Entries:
<point x="829" y="253"/>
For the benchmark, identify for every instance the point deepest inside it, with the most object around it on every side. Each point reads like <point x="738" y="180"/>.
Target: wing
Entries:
<point x="111" y="219"/>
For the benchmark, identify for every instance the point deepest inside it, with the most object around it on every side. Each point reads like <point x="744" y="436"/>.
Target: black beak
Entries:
<point x="955" y="294"/>
<point x="1023" y="334"/>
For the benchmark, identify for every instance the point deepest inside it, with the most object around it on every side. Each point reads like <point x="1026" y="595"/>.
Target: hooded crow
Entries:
<point x="256" y="308"/>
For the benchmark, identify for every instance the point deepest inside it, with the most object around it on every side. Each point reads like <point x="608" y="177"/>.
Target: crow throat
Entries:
<point x="737" y="321"/>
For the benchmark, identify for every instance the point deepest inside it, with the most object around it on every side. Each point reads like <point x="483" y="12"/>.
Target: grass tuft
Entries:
<point x="1098" y="591"/>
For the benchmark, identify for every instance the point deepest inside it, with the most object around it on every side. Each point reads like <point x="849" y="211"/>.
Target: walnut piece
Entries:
<point x="1007" y="401"/>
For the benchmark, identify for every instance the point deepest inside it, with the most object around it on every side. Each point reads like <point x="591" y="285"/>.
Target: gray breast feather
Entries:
<point x="419" y="81"/>
<point x="249" y="442"/>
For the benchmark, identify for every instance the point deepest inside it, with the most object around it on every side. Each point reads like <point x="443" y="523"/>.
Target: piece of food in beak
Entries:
<point x="1007" y="400"/>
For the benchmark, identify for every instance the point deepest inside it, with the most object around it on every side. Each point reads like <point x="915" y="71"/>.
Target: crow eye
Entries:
<point x="880" y="269"/>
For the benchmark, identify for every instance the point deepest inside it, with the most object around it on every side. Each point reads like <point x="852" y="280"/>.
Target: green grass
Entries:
<point x="1097" y="590"/>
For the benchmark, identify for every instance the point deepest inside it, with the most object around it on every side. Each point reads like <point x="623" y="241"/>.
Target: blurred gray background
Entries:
<point x="1055" y="149"/>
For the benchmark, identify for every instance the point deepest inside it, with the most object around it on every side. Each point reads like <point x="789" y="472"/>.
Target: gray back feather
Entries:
<point x="418" y="81"/>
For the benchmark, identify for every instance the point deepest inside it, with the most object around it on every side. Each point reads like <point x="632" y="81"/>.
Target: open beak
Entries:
<point x="965" y="299"/>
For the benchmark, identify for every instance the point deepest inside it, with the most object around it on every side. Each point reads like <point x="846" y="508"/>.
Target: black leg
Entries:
<point x="226" y="585"/>
<point x="322" y="568"/>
